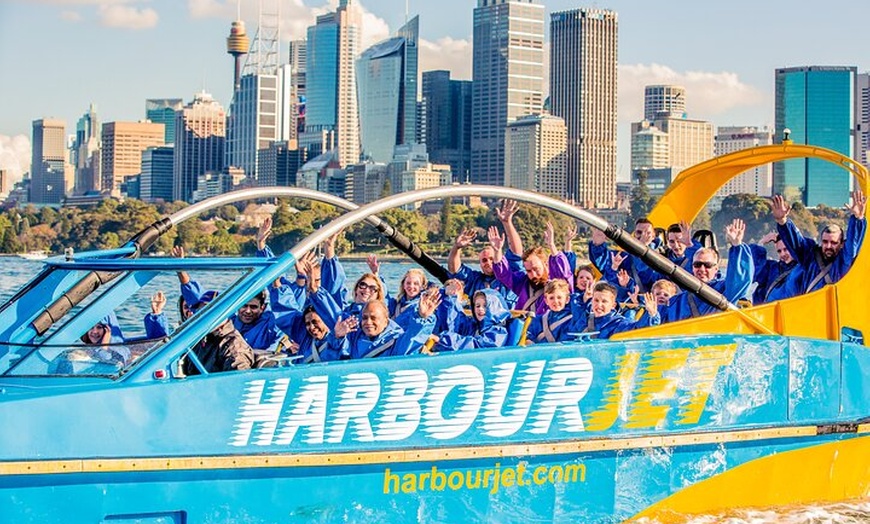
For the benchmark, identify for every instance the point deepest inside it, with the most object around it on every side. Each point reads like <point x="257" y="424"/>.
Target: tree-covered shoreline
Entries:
<point x="231" y="230"/>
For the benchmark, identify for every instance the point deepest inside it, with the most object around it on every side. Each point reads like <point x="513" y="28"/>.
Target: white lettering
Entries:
<point x="400" y="415"/>
<point x="308" y="412"/>
<point x="566" y="383"/>
<point x="469" y="380"/>
<point x="357" y="395"/>
<point x="262" y="407"/>
<point x="496" y="424"/>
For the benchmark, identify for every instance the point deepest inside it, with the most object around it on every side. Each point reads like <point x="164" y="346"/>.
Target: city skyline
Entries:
<point x="729" y="79"/>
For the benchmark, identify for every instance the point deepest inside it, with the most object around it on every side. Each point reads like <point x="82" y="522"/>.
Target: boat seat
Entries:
<point x="518" y="327"/>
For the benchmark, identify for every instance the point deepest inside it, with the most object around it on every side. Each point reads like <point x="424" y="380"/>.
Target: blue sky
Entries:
<point x="58" y="56"/>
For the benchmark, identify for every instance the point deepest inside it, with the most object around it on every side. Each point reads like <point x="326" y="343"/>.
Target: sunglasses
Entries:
<point x="708" y="265"/>
<point x="362" y="286"/>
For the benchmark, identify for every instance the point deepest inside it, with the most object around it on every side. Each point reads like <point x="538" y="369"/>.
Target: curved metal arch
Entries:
<point x="626" y="241"/>
<point x="691" y="190"/>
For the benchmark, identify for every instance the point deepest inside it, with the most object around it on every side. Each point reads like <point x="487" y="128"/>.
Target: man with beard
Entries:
<point x="828" y="262"/>
<point x="705" y="266"/>
<point x="376" y="335"/>
<point x="776" y="278"/>
<point x="539" y="269"/>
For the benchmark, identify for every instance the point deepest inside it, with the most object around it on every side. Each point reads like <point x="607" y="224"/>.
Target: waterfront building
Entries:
<point x="155" y="182"/>
<point x="296" y="109"/>
<point x="535" y="154"/>
<point x="51" y="175"/>
<point x="664" y="101"/>
<point x="817" y="104"/>
<point x="86" y="153"/>
<point x="583" y="92"/>
<point x="448" y="121"/>
<point x="508" y="78"/>
<point x="279" y="164"/>
<point x="649" y="148"/>
<point x="863" y="116"/>
<point x="366" y="181"/>
<point x="122" y="146"/>
<point x="331" y="97"/>
<point x="757" y="181"/>
<point x="163" y="111"/>
<point x="386" y="77"/>
<point x="258" y="117"/>
<point x="200" y="135"/>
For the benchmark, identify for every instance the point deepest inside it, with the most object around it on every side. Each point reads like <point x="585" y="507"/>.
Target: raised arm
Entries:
<point x="738" y="275"/>
<point x="178" y="252"/>
<point x="454" y="259"/>
<point x="800" y="246"/>
<point x="505" y="215"/>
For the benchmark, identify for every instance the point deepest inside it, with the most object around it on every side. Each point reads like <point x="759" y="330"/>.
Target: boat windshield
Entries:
<point x="113" y="328"/>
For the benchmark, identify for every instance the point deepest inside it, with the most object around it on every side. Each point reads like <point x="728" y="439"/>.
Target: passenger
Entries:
<point x="484" y="328"/>
<point x="529" y="285"/>
<point x="256" y="323"/>
<point x="558" y="321"/>
<point x="605" y="259"/>
<point x="584" y="281"/>
<point x="475" y="280"/>
<point x="376" y="335"/>
<point x="775" y="279"/>
<point x="663" y="290"/>
<point x="156" y="325"/>
<point x="827" y="263"/>
<point x="107" y="333"/>
<point x="681" y="247"/>
<point x="606" y="322"/>
<point x="368" y="288"/>
<point x="568" y="247"/>
<point x="705" y="266"/>
<point x="313" y="345"/>
<point x="402" y="307"/>
<point x="453" y="305"/>
<point x="223" y="349"/>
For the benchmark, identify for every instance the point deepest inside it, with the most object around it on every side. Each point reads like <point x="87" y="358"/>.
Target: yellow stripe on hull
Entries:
<point x="830" y="472"/>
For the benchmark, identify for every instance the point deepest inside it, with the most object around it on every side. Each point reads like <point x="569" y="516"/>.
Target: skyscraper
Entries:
<point x="331" y="101"/>
<point x="200" y="134"/>
<point x="535" y="154"/>
<point x="387" y="91"/>
<point x="51" y="175"/>
<point x="664" y="101"/>
<point x="86" y="153"/>
<point x="508" y="78"/>
<point x="818" y="105"/>
<point x="756" y="181"/>
<point x="448" y="121"/>
<point x="162" y="111"/>
<point x="583" y="92"/>
<point x="863" y="113"/>
<point x="296" y="108"/>
<point x="256" y="117"/>
<point x="122" y="146"/>
<point x="155" y="182"/>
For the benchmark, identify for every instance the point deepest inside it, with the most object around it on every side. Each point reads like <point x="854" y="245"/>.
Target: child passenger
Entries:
<point x="485" y="328"/>
<point x="403" y="307"/>
<point x="557" y="322"/>
<point x="606" y="321"/>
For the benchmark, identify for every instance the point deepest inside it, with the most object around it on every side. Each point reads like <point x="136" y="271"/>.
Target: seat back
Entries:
<point x="517" y="327"/>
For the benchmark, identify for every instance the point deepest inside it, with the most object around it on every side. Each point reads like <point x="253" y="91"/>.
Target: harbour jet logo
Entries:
<point x="539" y="398"/>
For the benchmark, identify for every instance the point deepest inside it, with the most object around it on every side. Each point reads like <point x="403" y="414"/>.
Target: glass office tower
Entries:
<point x="817" y="105"/>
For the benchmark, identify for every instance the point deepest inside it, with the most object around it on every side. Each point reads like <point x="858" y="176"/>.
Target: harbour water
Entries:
<point x="14" y="272"/>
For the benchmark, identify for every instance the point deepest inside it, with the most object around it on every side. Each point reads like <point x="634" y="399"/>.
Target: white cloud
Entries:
<point x="127" y="17"/>
<point x="296" y="17"/>
<point x="71" y="16"/>
<point x="708" y="94"/>
<point x="81" y="2"/>
<point x="15" y="156"/>
<point x="447" y="53"/>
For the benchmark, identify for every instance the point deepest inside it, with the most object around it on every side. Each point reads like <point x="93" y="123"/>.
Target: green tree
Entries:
<point x="752" y="209"/>
<point x="642" y="201"/>
<point x="448" y="226"/>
